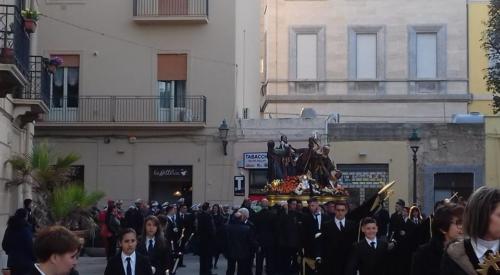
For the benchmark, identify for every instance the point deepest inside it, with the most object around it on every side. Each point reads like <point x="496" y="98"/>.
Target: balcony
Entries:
<point x="175" y="11"/>
<point x="14" y="50"/>
<point x="125" y="111"/>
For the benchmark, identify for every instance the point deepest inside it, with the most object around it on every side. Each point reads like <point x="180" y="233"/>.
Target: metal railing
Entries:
<point x="156" y="8"/>
<point x="38" y="81"/>
<point x="126" y="109"/>
<point x="14" y="41"/>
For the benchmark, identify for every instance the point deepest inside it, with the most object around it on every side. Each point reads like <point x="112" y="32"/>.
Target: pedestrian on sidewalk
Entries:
<point x="18" y="243"/>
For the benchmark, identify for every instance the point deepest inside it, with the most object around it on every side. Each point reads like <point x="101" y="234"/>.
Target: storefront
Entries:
<point x="256" y="164"/>
<point x="170" y="183"/>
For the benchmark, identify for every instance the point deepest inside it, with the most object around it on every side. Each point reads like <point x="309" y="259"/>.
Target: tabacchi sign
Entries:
<point x="255" y="160"/>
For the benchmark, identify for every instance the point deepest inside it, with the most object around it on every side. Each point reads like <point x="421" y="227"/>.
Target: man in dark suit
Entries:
<point x="311" y="242"/>
<point x="185" y="222"/>
<point x="288" y="239"/>
<point x="265" y="232"/>
<point x="172" y="230"/>
<point x="134" y="217"/>
<point x="370" y="255"/>
<point x="206" y="233"/>
<point x="339" y="235"/>
<point x="128" y="262"/>
<point x="241" y="245"/>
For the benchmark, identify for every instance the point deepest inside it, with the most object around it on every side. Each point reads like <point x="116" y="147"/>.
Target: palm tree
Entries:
<point x="49" y="177"/>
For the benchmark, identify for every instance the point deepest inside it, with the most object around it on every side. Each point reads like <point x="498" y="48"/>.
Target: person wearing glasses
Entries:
<point x="446" y="227"/>
<point x="482" y="228"/>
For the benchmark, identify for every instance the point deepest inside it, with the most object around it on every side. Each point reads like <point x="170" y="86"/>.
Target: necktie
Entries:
<point x="487" y="253"/>
<point x="129" y="267"/>
<point x="150" y="246"/>
<point x="317" y="220"/>
<point x="341" y="226"/>
<point x="373" y="245"/>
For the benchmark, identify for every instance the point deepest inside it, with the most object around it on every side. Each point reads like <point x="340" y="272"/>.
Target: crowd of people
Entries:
<point x="284" y="238"/>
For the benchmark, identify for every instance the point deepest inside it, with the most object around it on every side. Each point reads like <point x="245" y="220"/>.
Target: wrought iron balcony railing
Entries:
<point x="170" y="8"/>
<point x="107" y="110"/>
<point x="14" y="41"/>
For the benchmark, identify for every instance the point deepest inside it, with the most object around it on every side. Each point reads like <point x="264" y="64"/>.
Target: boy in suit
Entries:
<point x="369" y="255"/>
<point x="56" y="249"/>
<point x="128" y="262"/>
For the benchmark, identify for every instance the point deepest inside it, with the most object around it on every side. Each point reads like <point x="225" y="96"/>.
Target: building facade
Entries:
<point x="23" y="82"/>
<point x="365" y="60"/>
<point x="477" y="13"/>
<point x="144" y="87"/>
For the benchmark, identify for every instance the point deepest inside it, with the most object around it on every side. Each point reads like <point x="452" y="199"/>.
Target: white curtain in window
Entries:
<point x="306" y="56"/>
<point x="366" y="56"/>
<point x="426" y="55"/>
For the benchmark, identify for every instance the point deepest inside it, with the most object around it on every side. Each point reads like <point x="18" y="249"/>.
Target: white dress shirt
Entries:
<point x="480" y="247"/>
<point x="338" y="222"/>
<point x="39" y="270"/>
<point x="132" y="262"/>
<point x="371" y="241"/>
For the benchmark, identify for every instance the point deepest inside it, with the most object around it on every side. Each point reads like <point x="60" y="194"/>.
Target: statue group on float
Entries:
<point x="301" y="170"/>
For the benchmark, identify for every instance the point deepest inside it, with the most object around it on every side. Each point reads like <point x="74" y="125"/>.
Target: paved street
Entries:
<point x="96" y="266"/>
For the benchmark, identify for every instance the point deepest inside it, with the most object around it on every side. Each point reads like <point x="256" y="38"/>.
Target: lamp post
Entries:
<point x="223" y="130"/>
<point x="414" y="140"/>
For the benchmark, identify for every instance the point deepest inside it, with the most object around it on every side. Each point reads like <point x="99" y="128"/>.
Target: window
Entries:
<point x="65" y="83"/>
<point x="363" y="180"/>
<point x="306" y="56"/>
<point x="307" y="59"/>
<point x="366" y="56"/>
<point x="172" y="93"/>
<point x="258" y="181"/>
<point x="172" y="75"/>
<point x="426" y="55"/>
<point x="427" y="51"/>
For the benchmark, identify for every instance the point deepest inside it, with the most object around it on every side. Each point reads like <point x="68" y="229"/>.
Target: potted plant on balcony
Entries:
<point x="53" y="63"/>
<point x="30" y="17"/>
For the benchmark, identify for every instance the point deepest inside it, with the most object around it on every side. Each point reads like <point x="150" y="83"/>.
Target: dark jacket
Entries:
<point x="289" y="227"/>
<point x="427" y="258"/>
<point x="336" y="246"/>
<point x="134" y="219"/>
<point x="219" y="243"/>
<point x="368" y="260"/>
<point x="115" y="266"/>
<point x="205" y="233"/>
<point x="459" y="259"/>
<point x="161" y="257"/>
<point x="18" y="244"/>
<point x="264" y="222"/>
<point x="241" y="243"/>
<point x="311" y="244"/>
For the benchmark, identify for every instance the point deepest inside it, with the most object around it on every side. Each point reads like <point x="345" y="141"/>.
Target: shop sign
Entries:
<point x="255" y="160"/>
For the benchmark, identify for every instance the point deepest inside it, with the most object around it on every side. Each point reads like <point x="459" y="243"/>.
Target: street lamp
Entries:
<point x="223" y="130"/>
<point x="414" y="140"/>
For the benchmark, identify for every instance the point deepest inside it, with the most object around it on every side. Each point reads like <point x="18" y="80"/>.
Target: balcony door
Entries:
<point x="172" y="97"/>
<point x="64" y="94"/>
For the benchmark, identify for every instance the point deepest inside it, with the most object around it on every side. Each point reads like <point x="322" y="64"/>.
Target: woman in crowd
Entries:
<point x="219" y="233"/>
<point x="446" y="227"/>
<point x="482" y="228"/>
<point x="18" y="243"/>
<point x="113" y="225"/>
<point x="152" y="244"/>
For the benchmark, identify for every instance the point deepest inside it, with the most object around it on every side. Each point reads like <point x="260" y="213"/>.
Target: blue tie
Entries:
<point x="150" y="246"/>
<point x="129" y="267"/>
